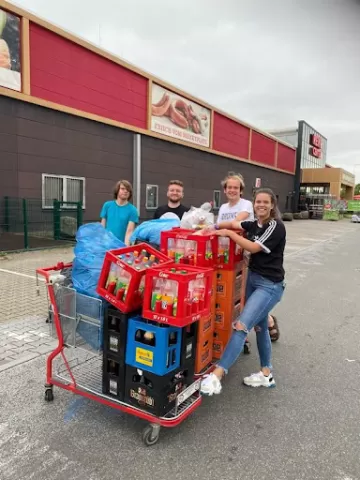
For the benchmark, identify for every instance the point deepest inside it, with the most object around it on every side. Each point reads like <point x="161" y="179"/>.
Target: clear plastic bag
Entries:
<point x="198" y="217"/>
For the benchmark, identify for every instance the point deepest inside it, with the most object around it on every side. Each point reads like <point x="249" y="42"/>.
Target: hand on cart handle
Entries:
<point x="224" y="232"/>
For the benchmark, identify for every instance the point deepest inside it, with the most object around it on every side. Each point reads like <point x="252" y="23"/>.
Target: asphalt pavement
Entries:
<point x="308" y="427"/>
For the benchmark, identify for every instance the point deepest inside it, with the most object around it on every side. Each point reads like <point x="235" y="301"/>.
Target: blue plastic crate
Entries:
<point x="156" y="349"/>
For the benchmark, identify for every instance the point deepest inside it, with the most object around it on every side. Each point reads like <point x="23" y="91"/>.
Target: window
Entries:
<point x="152" y="192"/>
<point x="62" y="188"/>
<point x="216" y="199"/>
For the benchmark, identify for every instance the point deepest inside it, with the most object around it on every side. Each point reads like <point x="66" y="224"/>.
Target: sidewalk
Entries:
<point x="23" y="341"/>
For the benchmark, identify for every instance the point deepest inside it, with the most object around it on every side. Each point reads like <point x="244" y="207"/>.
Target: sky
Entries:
<point x="268" y="62"/>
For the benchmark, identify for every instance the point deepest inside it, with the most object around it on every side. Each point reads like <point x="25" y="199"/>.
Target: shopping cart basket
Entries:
<point x="76" y="363"/>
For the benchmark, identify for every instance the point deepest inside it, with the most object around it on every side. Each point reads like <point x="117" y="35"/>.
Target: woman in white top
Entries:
<point x="237" y="210"/>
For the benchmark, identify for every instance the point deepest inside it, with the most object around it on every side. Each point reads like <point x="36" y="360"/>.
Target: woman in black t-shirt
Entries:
<point x="266" y="238"/>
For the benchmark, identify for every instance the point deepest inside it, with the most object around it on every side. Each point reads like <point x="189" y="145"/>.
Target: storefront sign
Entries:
<point x="177" y="117"/>
<point x="10" y="68"/>
<point x="315" y="140"/>
<point x="315" y="148"/>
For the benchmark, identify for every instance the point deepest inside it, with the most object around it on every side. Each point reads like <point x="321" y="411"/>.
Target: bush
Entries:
<point x="297" y="216"/>
<point x="287" y="217"/>
<point x="304" y="214"/>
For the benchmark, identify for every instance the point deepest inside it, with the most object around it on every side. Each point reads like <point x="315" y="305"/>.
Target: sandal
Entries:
<point x="274" y="330"/>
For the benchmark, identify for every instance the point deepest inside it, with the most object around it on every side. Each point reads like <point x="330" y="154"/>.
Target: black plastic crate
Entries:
<point x="115" y="332"/>
<point x="188" y="346"/>
<point x="113" y="377"/>
<point x="153" y="393"/>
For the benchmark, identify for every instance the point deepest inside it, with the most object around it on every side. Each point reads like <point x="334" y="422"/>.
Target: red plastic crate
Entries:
<point x="177" y="294"/>
<point x="229" y="255"/>
<point x="188" y="248"/>
<point x="127" y="297"/>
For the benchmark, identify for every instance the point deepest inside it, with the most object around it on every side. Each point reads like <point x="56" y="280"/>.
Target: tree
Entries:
<point x="357" y="189"/>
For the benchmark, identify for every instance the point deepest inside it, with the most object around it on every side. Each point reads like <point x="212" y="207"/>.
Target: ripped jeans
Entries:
<point x="261" y="297"/>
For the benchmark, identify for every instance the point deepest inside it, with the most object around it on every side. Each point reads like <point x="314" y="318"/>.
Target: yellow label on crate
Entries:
<point x="146" y="357"/>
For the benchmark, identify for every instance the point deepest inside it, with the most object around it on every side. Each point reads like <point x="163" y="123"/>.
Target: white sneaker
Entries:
<point x="210" y="385"/>
<point x="260" y="380"/>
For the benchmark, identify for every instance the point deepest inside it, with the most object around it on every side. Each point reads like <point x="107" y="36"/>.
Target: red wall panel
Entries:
<point x="66" y="73"/>
<point x="286" y="158"/>
<point x="230" y="137"/>
<point x="262" y="149"/>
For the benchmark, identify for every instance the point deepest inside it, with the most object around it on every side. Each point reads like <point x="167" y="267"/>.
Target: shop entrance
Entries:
<point x="314" y="203"/>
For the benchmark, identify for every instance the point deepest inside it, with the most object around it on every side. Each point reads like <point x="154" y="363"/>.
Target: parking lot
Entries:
<point x="306" y="428"/>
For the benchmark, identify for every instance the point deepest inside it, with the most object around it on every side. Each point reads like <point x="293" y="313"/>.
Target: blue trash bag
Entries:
<point x="150" y="231"/>
<point x="92" y="243"/>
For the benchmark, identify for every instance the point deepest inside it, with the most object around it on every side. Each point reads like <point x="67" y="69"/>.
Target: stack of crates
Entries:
<point x="186" y="247"/>
<point x="229" y="276"/>
<point x="121" y="284"/>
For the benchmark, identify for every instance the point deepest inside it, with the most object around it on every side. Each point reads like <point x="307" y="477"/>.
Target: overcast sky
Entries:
<point x="268" y="62"/>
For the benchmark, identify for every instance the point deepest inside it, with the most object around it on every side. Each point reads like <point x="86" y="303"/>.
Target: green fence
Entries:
<point x="25" y="224"/>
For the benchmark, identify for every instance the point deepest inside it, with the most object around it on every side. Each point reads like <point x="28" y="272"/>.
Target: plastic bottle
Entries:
<point x="208" y="251"/>
<point x="190" y="297"/>
<point x="122" y="284"/>
<point x="157" y="295"/>
<point x="141" y="289"/>
<point x="168" y="297"/>
<point x="179" y="250"/>
<point x="129" y="258"/>
<point x="224" y="247"/>
<point x="151" y="261"/>
<point x="143" y="254"/>
<point x="199" y="295"/>
<point x="171" y="248"/>
<point x="144" y="263"/>
<point x="112" y="278"/>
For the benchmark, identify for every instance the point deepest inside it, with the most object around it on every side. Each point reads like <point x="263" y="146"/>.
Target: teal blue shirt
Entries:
<point x="118" y="217"/>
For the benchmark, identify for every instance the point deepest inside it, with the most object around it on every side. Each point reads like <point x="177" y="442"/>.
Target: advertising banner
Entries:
<point x="10" y="66"/>
<point x="177" y="117"/>
<point x="353" y="205"/>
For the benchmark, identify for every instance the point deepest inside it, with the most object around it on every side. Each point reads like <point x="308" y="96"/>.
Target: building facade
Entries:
<point x="75" y="119"/>
<point x="313" y="176"/>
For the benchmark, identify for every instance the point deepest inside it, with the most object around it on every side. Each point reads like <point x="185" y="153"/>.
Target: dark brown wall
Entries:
<point x="201" y="173"/>
<point x="36" y="140"/>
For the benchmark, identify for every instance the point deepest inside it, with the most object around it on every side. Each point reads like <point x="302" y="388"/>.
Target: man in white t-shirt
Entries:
<point x="237" y="208"/>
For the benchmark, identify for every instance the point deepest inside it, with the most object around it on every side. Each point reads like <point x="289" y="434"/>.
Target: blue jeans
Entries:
<point x="261" y="297"/>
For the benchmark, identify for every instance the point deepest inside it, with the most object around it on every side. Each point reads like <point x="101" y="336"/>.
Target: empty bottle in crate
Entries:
<point x="154" y="348"/>
<point x="115" y="332"/>
<point x="187" y="248"/>
<point x="177" y="295"/>
<point x="122" y="281"/>
<point x="153" y="393"/>
<point x="229" y="254"/>
<point x="113" y="376"/>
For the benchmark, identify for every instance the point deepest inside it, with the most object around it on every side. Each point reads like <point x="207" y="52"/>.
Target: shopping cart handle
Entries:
<point x="45" y="271"/>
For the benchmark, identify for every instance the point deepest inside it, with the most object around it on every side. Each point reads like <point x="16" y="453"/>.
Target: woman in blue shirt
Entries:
<point x="118" y="215"/>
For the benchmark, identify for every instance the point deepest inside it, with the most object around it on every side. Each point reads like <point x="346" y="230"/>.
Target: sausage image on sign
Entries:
<point x="180" y="112"/>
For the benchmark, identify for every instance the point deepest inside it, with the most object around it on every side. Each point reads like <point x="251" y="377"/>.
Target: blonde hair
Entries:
<point x="234" y="176"/>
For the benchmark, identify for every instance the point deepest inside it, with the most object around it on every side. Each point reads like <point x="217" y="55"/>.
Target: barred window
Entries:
<point x="62" y="188"/>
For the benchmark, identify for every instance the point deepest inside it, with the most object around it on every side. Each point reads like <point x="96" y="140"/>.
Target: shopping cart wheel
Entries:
<point x="151" y="434"/>
<point x="49" y="395"/>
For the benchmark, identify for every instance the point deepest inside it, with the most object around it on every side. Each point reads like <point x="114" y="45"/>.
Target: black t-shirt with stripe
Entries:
<point x="272" y="238"/>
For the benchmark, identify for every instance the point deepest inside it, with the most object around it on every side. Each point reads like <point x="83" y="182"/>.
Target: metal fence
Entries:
<point x="25" y="224"/>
